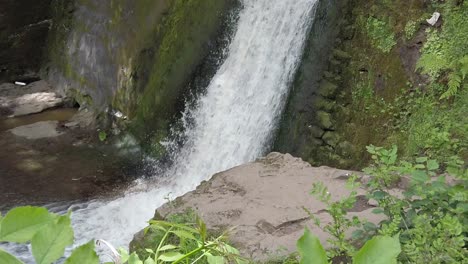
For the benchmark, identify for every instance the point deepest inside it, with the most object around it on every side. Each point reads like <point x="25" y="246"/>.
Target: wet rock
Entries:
<point x="324" y="120"/>
<point x="264" y="201"/>
<point x="32" y="98"/>
<point x="346" y="149"/>
<point x="324" y="104"/>
<point x="327" y="89"/>
<point x="44" y="129"/>
<point x="341" y="55"/>
<point x="331" y="138"/>
<point x="316" y="131"/>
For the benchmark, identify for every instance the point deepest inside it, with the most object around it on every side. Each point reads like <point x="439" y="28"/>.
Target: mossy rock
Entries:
<point x="325" y="120"/>
<point x="327" y="89"/>
<point x="341" y="55"/>
<point x="324" y="104"/>
<point x="316" y="131"/>
<point x="331" y="138"/>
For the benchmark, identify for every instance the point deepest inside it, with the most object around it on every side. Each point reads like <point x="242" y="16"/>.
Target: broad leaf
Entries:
<point x="149" y="260"/>
<point x="6" y="258"/>
<point x="311" y="250"/>
<point x="50" y="242"/>
<point x="419" y="176"/>
<point x="379" y="250"/>
<point x="183" y="234"/>
<point x="432" y="165"/>
<point x="215" y="259"/>
<point x="84" y="254"/>
<point x="124" y="256"/>
<point x="170" y="256"/>
<point x="21" y="224"/>
<point x="134" y="259"/>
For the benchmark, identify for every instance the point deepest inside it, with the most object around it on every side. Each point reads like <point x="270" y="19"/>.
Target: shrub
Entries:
<point x="381" y="34"/>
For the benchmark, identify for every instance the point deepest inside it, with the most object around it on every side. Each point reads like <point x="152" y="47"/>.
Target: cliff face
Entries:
<point x="24" y="27"/>
<point x="307" y="116"/>
<point x="135" y="57"/>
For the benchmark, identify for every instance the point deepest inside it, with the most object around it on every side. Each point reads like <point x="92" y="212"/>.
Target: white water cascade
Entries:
<point x="232" y="123"/>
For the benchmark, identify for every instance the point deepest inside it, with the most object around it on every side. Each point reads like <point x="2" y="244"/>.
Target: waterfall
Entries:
<point x="231" y="123"/>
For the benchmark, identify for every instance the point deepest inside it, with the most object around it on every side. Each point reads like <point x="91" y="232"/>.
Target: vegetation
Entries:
<point x="428" y="220"/>
<point x="48" y="233"/>
<point x="381" y="34"/>
<point x="445" y="57"/>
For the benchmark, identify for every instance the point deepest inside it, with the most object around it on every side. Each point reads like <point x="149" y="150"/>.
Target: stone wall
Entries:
<point x="308" y="124"/>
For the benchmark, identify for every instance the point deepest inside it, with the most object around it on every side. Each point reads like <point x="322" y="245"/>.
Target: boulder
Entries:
<point x="17" y="100"/>
<point x="327" y="89"/>
<point x="324" y="120"/>
<point x="331" y="138"/>
<point x="264" y="201"/>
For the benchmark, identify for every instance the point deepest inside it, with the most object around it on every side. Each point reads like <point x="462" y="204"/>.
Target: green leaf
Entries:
<point x="21" y="224"/>
<point x="378" y="211"/>
<point x="124" y="256"/>
<point x="421" y="159"/>
<point x="149" y="260"/>
<point x="183" y="234"/>
<point x="419" y="176"/>
<point x="202" y="229"/>
<point x="419" y="166"/>
<point x="102" y="135"/>
<point x="170" y="256"/>
<point x="215" y="259"/>
<point x="134" y="259"/>
<point x="166" y="247"/>
<point x="311" y="250"/>
<point x="49" y="243"/>
<point x="84" y="254"/>
<point x="379" y="250"/>
<point x="6" y="258"/>
<point x="432" y="165"/>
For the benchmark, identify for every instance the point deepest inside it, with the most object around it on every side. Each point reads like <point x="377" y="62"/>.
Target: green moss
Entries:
<point x="382" y="105"/>
<point x="183" y="37"/>
<point x="84" y="100"/>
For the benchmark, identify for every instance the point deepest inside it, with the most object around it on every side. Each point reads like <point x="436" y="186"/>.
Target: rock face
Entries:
<point x="23" y="33"/>
<point x="18" y="100"/>
<point x="311" y="104"/>
<point x="264" y="200"/>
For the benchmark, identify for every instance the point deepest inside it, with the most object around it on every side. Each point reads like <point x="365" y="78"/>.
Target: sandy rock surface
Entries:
<point x="264" y="200"/>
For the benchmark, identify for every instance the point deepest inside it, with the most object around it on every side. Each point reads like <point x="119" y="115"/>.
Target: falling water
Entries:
<point x="230" y="124"/>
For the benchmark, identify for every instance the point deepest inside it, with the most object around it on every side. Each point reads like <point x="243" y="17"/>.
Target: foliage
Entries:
<point x="410" y="28"/>
<point x="434" y="129"/>
<point x="310" y="249"/>
<point x="381" y="34"/>
<point x="341" y="246"/>
<point x="430" y="217"/>
<point x="384" y="161"/>
<point x="445" y="54"/>
<point x="182" y="243"/>
<point x="48" y="233"/>
<point x="102" y="136"/>
<point x="378" y="250"/>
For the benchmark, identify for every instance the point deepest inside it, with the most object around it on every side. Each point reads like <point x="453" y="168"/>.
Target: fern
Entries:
<point x="454" y="84"/>
<point x="464" y="66"/>
<point x="432" y="64"/>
